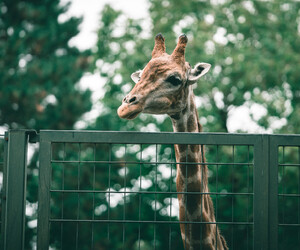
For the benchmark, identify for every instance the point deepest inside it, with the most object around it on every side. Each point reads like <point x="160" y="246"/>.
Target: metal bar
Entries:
<point x="273" y="193"/>
<point x="289" y="165"/>
<point x="283" y="183"/>
<point x="217" y="182"/>
<point x="151" y="221"/>
<point x="148" y="138"/>
<point x="124" y="199"/>
<point x="15" y="192"/>
<point x="248" y="188"/>
<point x="261" y="185"/>
<point x="289" y="225"/>
<point x="299" y="195"/>
<point x="232" y="198"/>
<point x="62" y="200"/>
<point x="78" y="203"/>
<point x="154" y="162"/>
<point x="94" y="181"/>
<point x="140" y="197"/>
<point x="289" y="195"/>
<point x="170" y="186"/>
<point x="146" y="192"/>
<point x="3" y="191"/>
<point x="155" y="197"/>
<point x="44" y="196"/>
<point x="109" y="187"/>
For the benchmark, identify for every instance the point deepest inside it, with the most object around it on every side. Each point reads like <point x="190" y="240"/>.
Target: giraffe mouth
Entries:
<point x="128" y="111"/>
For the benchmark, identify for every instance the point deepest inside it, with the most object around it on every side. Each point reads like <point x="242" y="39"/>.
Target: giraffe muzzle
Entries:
<point x="130" y="99"/>
<point x="130" y="108"/>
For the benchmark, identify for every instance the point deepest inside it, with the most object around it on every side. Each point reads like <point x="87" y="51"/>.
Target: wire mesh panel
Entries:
<point x="112" y="196"/>
<point x="231" y="186"/>
<point x="289" y="197"/>
<point x="118" y="191"/>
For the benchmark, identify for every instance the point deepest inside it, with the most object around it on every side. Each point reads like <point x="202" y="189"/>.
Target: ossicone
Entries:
<point x="159" y="46"/>
<point x="178" y="53"/>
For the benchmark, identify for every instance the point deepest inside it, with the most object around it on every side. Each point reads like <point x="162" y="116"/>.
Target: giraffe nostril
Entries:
<point x="133" y="99"/>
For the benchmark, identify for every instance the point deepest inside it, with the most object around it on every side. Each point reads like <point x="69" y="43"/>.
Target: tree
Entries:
<point x="39" y="71"/>
<point x="39" y="75"/>
<point x="253" y="47"/>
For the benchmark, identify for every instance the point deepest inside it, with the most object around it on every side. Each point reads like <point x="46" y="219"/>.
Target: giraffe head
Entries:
<point x="162" y="87"/>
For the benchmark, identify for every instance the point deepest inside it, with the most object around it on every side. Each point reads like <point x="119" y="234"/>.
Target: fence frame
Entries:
<point x="14" y="188"/>
<point x="265" y="169"/>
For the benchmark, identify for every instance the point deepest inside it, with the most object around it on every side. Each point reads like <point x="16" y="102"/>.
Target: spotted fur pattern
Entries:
<point x="164" y="86"/>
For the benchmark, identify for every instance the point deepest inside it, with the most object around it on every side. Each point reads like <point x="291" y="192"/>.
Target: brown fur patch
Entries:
<point x="192" y="204"/>
<point x="182" y="150"/>
<point x="192" y="123"/>
<point x="195" y="148"/>
<point x="187" y="171"/>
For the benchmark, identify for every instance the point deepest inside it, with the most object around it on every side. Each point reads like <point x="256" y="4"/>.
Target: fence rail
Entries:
<point x="117" y="190"/>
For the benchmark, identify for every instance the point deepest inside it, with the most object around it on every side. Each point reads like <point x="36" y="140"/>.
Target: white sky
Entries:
<point x="239" y="118"/>
<point x="91" y="9"/>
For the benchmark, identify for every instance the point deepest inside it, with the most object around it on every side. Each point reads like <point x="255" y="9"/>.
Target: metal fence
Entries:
<point x="117" y="190"/>
<point x="1" y="176"/>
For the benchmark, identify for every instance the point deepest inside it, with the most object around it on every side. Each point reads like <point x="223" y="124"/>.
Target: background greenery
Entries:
<point x="255" y="57"/>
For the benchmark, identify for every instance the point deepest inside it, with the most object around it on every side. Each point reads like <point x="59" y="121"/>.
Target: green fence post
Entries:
<point x="261" y="193"/>
<point x="44" y="194"/>
<point x="15" y="190"/>
<point x="3" y="191"/>
<point x="273" y="194"/>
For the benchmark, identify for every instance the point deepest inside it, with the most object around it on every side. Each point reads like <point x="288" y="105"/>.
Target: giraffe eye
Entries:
<point x="174" y="80"/>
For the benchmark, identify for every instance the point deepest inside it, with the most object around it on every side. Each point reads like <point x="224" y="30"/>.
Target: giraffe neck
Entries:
<point x="193" y="174"/>
<point x="187" y="120"/>
<point x="193" y="178"/>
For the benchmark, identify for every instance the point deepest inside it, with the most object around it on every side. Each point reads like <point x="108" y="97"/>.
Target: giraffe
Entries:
<point x="164" y="86"/>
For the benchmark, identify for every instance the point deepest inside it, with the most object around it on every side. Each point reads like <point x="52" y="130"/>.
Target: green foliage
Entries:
<point x="253" y="48"/>
<point x="39" y="75"/>
<point x="38" y="69"/>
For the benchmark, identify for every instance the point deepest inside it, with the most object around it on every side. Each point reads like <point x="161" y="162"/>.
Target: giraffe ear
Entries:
<point x="199" y="70"/>
<point x="136" y="76"/>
